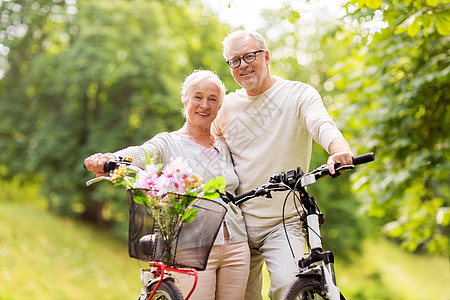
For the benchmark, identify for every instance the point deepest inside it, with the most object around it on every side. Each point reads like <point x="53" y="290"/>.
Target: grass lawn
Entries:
<point x="46" y="257"/>
<point x="391" y="273"/>
<point x="386" y="272"/>
<point x="43" y="256"/>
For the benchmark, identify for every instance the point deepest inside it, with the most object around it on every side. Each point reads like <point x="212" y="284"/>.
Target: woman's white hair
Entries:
<point x="259" y="39"/>
<point x="195" y="78"/>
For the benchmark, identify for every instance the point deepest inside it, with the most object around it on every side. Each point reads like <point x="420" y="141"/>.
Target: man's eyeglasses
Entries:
<point x="248" y="58"/>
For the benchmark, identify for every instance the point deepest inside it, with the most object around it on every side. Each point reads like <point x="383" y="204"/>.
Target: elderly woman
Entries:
<point x="228" y="265"/>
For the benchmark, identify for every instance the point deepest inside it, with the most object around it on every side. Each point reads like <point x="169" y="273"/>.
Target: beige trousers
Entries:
<point x="269" y="245"/>
<point x="225" y="276"/>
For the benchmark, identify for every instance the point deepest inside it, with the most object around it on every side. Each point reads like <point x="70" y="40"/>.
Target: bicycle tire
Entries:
<point x="303" y="289"/>
<point x="166" y="291"/>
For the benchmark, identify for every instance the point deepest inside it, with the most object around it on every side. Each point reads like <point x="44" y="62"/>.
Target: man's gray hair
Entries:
<point x="259" y="39"/>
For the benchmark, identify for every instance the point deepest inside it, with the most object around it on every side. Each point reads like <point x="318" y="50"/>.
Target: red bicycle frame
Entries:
<point x="161" y="268"/>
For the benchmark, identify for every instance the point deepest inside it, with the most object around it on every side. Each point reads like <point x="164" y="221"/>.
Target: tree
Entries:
<point x="393" y="86"/>
<point x="94" y="76"/>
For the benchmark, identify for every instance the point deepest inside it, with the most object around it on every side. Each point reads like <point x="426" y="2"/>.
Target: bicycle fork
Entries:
<point x="326" y="267"/>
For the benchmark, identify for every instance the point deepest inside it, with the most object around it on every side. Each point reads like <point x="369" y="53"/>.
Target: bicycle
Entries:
<point x="145" y="245"/>
<point x="316" y="277"/>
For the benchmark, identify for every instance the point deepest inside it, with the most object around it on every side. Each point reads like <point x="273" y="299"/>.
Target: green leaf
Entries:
<point x="152" y="160"/>
<point x="215" y="183"/>
<point x="138" y="192"/>
<point x="400" y="29"/>
<point x="414" y="28"/>
<point x="443" y="23"/>
<point x="141" y="199"/>
<point x="427" y="21"/>
<point x="148" y="158"/>
<point x="189" y="215"/>
<point x="213" y="187"/>
<point x="211" y="195"/>
<point x="373" y="4"/>
<point x="433" y="3"/>
<point x="177" y="207"/>
<point x="187" y="200"/>
<point x="294" y="16"/>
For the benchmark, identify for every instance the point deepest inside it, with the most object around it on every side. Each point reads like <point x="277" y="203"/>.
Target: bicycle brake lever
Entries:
<point x="342" y="169"/>
<point x="228" y="198"/>
<point x="262" y="191"/>
<point x="97" y="179"/>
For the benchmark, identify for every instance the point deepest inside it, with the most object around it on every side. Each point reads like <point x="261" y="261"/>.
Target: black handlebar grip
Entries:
<point x="362" y="159"/>
<point x="242" y="196"/>
<point x="110" y="166"/>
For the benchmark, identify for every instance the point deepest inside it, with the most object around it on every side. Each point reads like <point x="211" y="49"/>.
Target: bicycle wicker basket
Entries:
<point x="194" y="240"/>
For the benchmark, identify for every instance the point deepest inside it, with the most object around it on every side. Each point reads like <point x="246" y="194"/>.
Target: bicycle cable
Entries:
<point x="303" y="208"/>
<point x="284" y="221"/>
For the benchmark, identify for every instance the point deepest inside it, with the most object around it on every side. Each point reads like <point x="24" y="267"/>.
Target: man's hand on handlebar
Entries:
<point x="96" y="162"/>
<point x="342" y="158"/>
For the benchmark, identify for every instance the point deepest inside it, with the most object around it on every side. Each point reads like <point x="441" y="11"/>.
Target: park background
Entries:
<point x="79" y="77"/>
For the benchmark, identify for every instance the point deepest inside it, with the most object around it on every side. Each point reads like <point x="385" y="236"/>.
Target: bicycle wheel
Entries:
<point x="304" y="289"/>
<point x="166" y="291"/>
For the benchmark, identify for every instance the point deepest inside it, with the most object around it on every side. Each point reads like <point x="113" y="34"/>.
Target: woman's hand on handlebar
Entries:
<point x="342" y="158"/>
<point x="96" y="162"/>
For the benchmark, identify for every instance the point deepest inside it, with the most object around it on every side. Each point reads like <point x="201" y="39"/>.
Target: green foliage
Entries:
<point x="97" y="76"/>
<point x="388" y="93"/>
<point x="394" y="98"/>
<point x="94" y="76"/>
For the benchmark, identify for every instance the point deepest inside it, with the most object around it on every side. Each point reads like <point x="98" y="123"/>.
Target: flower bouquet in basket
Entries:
<point x="169" y="193"/>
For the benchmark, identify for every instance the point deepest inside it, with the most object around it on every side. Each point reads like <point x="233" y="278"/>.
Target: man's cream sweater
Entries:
<point x="270" y="133"/>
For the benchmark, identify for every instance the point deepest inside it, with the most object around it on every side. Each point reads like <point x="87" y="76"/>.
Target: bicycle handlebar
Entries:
<point x="110" y="165"/>
<point x="364" y="158"/>
<point x="296" y="178"/>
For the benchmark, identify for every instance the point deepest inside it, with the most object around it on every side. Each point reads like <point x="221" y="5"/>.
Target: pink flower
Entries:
<point x="146" y="178"/>
<point x="172" y="184"/>
<point x="177" y="167"/>
<point x="163" y="184"/>
<point x="174" y="175"/>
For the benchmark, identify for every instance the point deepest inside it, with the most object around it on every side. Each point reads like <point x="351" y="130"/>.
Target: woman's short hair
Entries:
<point x="259" y="39"/>
<point x="199" y="76"/>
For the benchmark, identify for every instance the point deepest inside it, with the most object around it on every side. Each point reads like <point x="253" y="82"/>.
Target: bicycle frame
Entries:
<point x="160" y="272"/>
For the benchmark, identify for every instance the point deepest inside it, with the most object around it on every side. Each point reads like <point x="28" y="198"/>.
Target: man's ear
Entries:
<point x="267" y="55"/>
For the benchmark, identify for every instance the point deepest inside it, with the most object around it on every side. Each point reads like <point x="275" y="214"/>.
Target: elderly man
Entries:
<point x="269" y="125"/>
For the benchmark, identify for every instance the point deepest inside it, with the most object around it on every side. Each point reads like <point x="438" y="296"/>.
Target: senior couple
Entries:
<point x="236" y="136"/>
